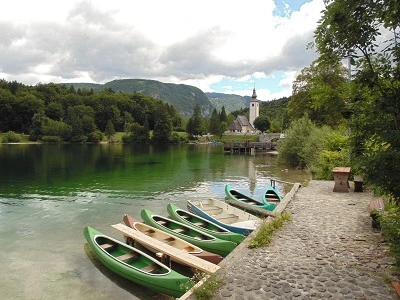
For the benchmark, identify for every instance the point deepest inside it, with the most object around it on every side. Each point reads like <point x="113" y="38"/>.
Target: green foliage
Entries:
<point x="109" y="131"/>
<point x="55" y="128"/>
<point x="213" y="127"/>
<point x="262" y="123"/>
<point x="263" y="236"/>
<point x="208" y="289"/>
<point x="162" y="128"/>
<point x="302" y="143"/>
<point x="195" y="124"/>
<point x="136" y="134"/>
<point x="335" y="152"/>
<point x="275" y="111"/>
<point x="390" y="226"/>
<point x="95" y="136"/>
<point x="51" y="139"/>
<point x="319" y="92"/>
<point x="182" y="97"/>
<point x="11" y="137"/>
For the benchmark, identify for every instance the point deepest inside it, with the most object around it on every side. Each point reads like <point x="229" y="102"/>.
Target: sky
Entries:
<point x="223" y="46"/>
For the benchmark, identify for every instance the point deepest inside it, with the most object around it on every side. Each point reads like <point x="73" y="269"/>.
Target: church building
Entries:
<point x="241" y="124"/>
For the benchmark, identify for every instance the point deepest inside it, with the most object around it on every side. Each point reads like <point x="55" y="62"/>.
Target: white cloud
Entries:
<point x="197" y="43"/>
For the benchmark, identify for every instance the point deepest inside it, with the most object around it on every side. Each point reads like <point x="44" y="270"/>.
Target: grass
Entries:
<point x="263" y="236"/>
<point x="208" y="289"/>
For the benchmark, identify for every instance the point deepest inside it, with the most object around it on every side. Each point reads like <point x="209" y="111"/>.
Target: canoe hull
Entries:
<point x="192" y="235"/>
<point x="225" y="215"/>
<point x="165" y="281"/>
<point x="271" y="196"/>
<point x="173" y="241"/>
<point x="205" y="225"/>
<point x="235" y="195"/>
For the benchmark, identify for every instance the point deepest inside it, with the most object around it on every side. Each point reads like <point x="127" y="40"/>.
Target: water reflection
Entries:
<point x="49" y="193"/>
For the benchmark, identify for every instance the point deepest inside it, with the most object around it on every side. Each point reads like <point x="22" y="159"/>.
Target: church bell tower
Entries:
<point x="254" y="107"/>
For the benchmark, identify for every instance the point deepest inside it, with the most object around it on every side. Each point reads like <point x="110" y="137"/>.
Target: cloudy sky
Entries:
<point x="224" y="46"/>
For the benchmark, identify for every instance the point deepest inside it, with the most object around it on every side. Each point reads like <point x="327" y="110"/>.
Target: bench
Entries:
<point x="358" y="184"/>
<point x="106" y="246"/>
<point x="376" y="207"/>
<point x="127" y="256"/>
<point x="150" y="268"/>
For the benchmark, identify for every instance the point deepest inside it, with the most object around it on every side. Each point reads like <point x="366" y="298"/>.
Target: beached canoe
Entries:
<point x="225" y="215"/>
<point x="192" y="235"/>
<point x="271" y="196"/>
<point x="170" y="240"/>
<point x="203" y="224"/>
<point x="237" y="196"/>
<point x="136" y="265"/>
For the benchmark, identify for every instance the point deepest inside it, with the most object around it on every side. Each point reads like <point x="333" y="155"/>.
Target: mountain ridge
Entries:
<point x="183" y="97"/>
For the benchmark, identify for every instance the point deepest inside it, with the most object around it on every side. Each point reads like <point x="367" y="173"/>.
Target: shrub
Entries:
<point x="302" y="144"/>
<point x="51" y="139"/>
<point x="11" y="137"/>
<point x="390" y="226"/>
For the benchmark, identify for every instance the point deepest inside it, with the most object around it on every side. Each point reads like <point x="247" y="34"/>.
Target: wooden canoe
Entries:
<point x="136" y="265"/>
<point x="171" y="240"/>
<point x="271" y="196"/>
<point x="203" y="224"/>
<point x="235" y="195"/>
<point x="225" y="215"/>
<point x="192" y="235"/>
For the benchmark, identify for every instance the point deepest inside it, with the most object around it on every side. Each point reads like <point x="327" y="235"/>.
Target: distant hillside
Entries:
<point x="231" y="102"/>
<point x="183" y="97"/>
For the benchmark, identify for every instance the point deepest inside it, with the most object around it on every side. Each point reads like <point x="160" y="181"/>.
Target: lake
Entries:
<point x="49" y="193"/>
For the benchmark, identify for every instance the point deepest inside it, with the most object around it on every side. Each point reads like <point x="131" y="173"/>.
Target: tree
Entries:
<point x="214" y="122"/>
<point x="368" y="32"/>
<point x="110" y="131"/>
<point x="222" y="116"/>
<point x="319" y="92"/>
<point x="262" y="123"/>
<point x="162" y="127"/>
<point x="195" y="122"/>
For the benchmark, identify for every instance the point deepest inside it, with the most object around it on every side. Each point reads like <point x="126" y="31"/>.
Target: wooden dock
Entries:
<point x="248" y="146"/>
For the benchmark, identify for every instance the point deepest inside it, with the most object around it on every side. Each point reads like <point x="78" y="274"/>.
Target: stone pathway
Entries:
<point x="327" y="251"/>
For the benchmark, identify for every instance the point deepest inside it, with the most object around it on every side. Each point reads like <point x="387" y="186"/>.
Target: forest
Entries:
<point x="345" y="106"/>
<point x="55" y="113"/>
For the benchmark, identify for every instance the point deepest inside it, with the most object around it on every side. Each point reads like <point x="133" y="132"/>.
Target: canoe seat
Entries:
<point x="169" y="240"/>
<point x="127" y="256"/>
<point x="150" y="268"/>
<point x="188" y="249"/>
<point x="149" y="231"/>
<point x="272" y="199"/>
<point x="106" y="246"/>
<point x="201" y="223"/>
<point x="178" y="230"/>
<point x="225" y="216"/>
<point x="161" y="222"/>
<point x="207" y="208"/>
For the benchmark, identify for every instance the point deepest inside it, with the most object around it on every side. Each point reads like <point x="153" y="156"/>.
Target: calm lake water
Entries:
<point x="49" y="193"/>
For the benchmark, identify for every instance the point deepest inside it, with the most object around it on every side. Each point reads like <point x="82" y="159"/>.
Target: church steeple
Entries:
<point x="254" y="97"/>
<point x="254" y="109"/>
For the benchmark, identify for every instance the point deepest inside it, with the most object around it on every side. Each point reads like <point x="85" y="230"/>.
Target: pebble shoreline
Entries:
<point x="328" y="250"/>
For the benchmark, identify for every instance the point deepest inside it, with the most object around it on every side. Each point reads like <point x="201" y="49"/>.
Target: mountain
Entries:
<point x="183" y="97"/>
<point x="229" y="101"/>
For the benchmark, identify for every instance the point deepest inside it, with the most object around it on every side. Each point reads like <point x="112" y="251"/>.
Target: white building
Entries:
<point x="254" y="108"/>
<point x="241" y="124"/>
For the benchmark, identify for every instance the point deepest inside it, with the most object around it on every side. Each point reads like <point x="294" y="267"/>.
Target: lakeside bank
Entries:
<point x="328" y="250"/>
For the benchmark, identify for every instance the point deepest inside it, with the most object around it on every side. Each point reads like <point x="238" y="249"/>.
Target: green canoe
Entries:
<point x="195" y="236"/>
<point x="135" y="265"/>
<point x="202" y="224"/>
